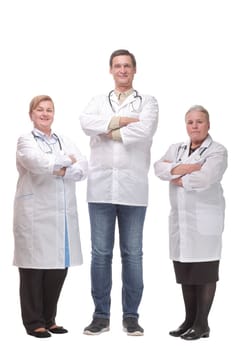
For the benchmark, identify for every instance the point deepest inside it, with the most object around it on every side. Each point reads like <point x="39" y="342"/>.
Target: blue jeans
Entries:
<point x="130" y="223"/>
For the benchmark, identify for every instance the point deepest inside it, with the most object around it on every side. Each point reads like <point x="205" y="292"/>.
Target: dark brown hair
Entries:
<point x="122" y="52"/>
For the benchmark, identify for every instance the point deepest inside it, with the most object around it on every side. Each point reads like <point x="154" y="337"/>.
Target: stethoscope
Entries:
<point x="136" y="96"/>
<point x="182" y="149"/>
<point x="48" y="146"/>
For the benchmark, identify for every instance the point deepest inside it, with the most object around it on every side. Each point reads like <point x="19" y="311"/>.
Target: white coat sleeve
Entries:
<point x="78" y="170"/>
<point x="32" y="158"/>
<point x="95" y="118"/>
<point x="211" y="171"/>
<point x="163" y="167"/>
<point x="146" y="127"/>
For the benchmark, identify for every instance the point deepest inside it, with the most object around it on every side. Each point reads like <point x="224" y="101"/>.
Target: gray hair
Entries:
<point x="198" y="108"/>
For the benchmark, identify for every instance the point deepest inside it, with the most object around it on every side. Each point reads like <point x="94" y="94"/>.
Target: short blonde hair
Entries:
<point x="37" y="100"/>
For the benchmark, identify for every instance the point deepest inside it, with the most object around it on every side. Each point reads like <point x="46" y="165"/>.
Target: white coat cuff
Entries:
<point x="114" y="123"/>
<point x="116" y="135"/>
<point x="186" y="184"/>
<point x="62" y="161"/>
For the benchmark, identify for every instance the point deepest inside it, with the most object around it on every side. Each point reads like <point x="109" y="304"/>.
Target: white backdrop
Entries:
<point x="61" y="48"/>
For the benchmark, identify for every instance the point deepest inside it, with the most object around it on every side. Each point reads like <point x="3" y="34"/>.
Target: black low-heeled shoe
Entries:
<point x="58" y="330"/>
<point x="194" y="334"/>
<point x="179" y="331"/>
<point x="39" y="334"/>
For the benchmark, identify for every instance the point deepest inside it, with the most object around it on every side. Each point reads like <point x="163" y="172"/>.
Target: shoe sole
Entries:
<point x="87" y="332"/>
<point x="205" y="335"/>
<point x="136" y="333"/>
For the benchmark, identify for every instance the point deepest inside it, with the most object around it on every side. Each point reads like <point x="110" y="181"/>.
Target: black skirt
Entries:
<point x="196" y="272"/>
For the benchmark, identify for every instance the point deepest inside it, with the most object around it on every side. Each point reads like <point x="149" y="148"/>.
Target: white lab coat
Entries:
<point x="43" y="202"/>
<point x="118" y="171"/>
<point x="196" y="220"/>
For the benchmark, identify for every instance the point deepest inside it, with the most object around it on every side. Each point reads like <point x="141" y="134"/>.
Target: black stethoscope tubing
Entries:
<point x="184" y="147"/>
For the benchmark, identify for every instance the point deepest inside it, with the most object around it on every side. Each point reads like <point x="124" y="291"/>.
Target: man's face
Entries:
<point x="123" y="72"/>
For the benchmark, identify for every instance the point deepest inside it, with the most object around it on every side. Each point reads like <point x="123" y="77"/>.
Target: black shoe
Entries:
<point x="97" y="326"/>
<point x="58" y="330"/>
<point x="38" y="334"/>
<point x="179" y="331"/>
<point x="195" y="333"/>
<point x="131" y="326"/>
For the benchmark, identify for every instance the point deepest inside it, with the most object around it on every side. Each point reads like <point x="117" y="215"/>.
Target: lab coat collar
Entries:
<point x="39" y="133"/>
<point x="205" y="144"/>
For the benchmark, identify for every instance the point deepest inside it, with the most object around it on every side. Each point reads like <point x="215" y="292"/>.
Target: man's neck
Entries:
<point x="123" y="88"/>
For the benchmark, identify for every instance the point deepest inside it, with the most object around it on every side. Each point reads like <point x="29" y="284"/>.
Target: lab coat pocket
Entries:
<point x="210" y="221"/>
<point x="173" y="224"/>
<point x="23" y="214"/>
<point x="174" y="236"/>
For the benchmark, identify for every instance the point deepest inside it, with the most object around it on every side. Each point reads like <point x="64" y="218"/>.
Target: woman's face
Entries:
<point x="42" y="116"/>
<point x="197" y="126"/>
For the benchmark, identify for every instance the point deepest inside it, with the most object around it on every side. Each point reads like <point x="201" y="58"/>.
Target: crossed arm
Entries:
<point x="183" y="169"/>
<point x="117" y="123"/>
<point x="62" y="171"/>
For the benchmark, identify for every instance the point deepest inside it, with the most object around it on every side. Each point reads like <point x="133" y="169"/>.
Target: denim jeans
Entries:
<point x="103" y="217"/>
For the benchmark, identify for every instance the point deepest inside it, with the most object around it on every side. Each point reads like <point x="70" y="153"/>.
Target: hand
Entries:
<point x="109" y="135"/>
<point x="60" y="172"/>
<point x="124" y="121"/>
<point x="183" y="169"/>
<point x="72" y="158"/>
<point x="177" y="182"/>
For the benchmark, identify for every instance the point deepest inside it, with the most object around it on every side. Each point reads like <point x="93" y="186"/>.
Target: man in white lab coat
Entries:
<point x="121" y="126"/>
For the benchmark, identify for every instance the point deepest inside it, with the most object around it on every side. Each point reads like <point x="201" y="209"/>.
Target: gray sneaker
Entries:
<point x="131" y="326"/>
<point x="97" y="326"/>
